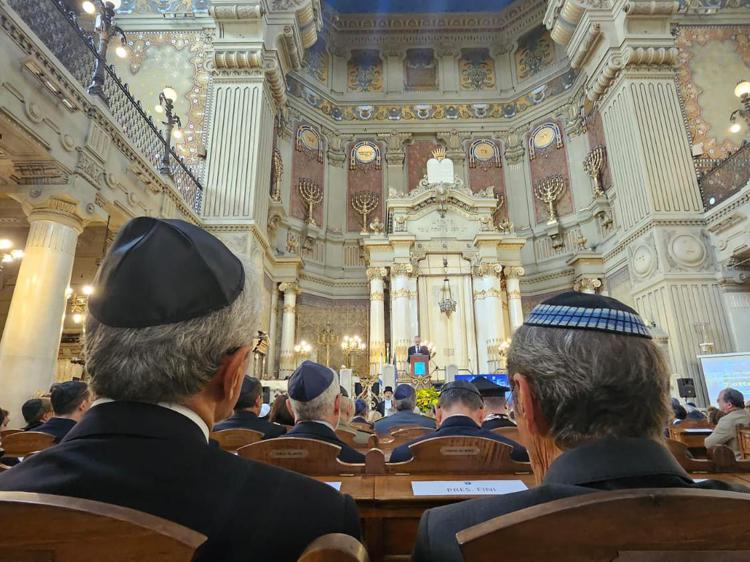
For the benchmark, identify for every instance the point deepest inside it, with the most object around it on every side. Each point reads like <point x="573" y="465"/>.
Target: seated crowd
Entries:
<point x="167" y="367"/>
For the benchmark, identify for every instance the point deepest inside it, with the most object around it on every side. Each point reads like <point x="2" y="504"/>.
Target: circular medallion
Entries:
<point x="365" y="153"/>
<point x="687" y="250"/>
<point x="544" y="137"/>
<point x="484" y="151"/>
<point x="643" y="261"/>
<point x="309" y="139"/>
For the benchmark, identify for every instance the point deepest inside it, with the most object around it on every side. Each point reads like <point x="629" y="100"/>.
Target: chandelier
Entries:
<point x="446" y="302"/>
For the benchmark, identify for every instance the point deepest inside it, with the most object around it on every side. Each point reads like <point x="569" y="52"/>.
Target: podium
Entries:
<point x="419" y="365"/>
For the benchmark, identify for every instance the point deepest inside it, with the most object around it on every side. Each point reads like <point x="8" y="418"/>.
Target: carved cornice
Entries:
<point x="646" y="58"/>
<point x="236" y="12"/>
<point x="587" y="284"/>
<point x="238" y="59"/>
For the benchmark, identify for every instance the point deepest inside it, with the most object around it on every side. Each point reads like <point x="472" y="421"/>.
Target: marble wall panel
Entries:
<point x="364" y="178"/>
<point x="483" y="176"/>
<point x="548" y="162"/>
<point x="306" y="164"/>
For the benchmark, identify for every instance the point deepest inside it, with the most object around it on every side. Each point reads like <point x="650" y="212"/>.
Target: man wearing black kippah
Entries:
<point x="168" y="339"/>
<point x="247" y="409"/>
<point x="70" y="400"/>
<point x="591" y="397"/>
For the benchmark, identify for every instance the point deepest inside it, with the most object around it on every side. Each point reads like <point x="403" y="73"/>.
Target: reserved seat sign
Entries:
<point x="466" y="487"/>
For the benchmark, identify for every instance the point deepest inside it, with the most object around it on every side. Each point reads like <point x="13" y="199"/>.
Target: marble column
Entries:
<point x="588" y="285"/>
<point x="488" y="311"/>
<point x="288" y="322"/>
<point x="400" y="314"/>
<point x="377" y="318"/>
<point x="513" y="276"/>
<point x="413" y="305"/>
<point x="31" y="338"/>
<point x="271" y="362"/>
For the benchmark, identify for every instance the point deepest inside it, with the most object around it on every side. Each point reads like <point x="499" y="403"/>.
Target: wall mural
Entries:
<point x="176" y="59"/>
<point x="536" y="50"/>
<point x="317" y="61"/>
<point x="426" y="111"/>
<point x="420" y="68"/>
<point x="708" y="55"/>
<point x="364" y="71"/>
<point x="477" y="69"/>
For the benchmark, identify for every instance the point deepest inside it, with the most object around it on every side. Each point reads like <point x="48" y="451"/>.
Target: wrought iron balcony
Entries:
<point x="58" y="29"/>
<point x="726" y="178"/>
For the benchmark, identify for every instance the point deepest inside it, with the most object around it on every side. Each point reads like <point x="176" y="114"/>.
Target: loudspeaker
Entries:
<point x="686" y="388"/>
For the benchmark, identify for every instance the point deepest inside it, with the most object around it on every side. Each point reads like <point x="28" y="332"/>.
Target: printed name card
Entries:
<point x="335" y="485"/>
<point x="466" y="487"/>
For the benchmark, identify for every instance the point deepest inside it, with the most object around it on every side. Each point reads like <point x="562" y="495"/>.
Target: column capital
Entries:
<point x="587" y="285"/>
<point x="289" y="287"/>
<point x="487" y="269"/>
<point x="376" y="273"/>
<point x="514" y="272"/>
<point x="406" y="269"/>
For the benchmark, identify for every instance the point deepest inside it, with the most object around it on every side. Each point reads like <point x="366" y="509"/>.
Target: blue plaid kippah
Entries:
<point x="581" y="311"/>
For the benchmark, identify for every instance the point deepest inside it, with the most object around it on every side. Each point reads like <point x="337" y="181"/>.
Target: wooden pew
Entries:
<point x="600" y="526"/>
<point x="402" y="435"/>
<point x="348" y="436"/>
<point x="5" y="432"/>
<point x="335" y="547"/>
<point x="306" y="456"/>
<point x="47" y="528"/>
<point x="232" y="439"/>
<point x="27" y="442"/>
<point x="511" y="433"/>
<point x="459" y="454"/>
<point x="725" y="461"/>
<point x="687" y="461"/>
<point x="743" y="437"/>
<point x="692" y="433"/>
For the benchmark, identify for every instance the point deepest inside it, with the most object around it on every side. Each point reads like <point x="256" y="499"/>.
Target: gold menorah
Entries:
<point x="548" y="190"/>
<point x="364" y="203"/>
<point x="312" y="194"/>
<point x="593" y="164"/>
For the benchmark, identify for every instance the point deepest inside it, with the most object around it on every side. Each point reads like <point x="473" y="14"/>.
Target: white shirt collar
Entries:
<point x="179" y="408"/>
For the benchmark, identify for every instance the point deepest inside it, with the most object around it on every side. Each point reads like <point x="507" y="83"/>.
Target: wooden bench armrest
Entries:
<point x="335" y="547"/>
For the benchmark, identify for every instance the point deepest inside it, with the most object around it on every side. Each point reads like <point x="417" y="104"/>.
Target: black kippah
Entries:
<point x="164" y="271"/>
<point x="582" y="311"/>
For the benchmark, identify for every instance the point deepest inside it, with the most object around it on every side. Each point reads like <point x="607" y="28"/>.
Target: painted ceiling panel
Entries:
<point x="416" y="6"/>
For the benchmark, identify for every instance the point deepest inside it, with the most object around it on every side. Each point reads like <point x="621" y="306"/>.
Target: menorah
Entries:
<point x="548" y="190"/>
<point x="593" y="164"/>
<point x="365" y="202"/>
<point x="311" y="194"/>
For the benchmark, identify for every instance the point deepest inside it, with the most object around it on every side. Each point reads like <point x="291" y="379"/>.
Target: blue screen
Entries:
<point x="420" y="369"/>
<point x="730" y="370"/>
<point x="497" y="378"/>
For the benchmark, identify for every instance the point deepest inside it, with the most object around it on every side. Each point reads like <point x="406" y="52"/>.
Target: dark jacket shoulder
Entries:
<point x="315" y="430"/>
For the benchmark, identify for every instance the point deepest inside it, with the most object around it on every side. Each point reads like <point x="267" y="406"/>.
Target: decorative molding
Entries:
<point x="376" y="273"/>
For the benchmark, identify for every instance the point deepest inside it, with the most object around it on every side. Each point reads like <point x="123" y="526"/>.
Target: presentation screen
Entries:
<point x="726" y="370"/>
<point x="420" y="369"/>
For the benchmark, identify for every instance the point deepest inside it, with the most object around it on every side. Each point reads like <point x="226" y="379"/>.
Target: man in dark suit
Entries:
<point x="247" y="410"/>
<point x="36" y="412"/>
<point x="70" y="400"/>
<point x="405" y="402"/>
<point x="460" y="412"/>
<point x="417" y="348"/>
<point x="315" y="399"/>
<point x="495" y="405"/>
<point x="168" y="338"/>
<point x="386" y="404"/>
<point x="573" y="390"/>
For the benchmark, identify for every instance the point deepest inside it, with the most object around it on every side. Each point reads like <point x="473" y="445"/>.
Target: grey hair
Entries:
<point x="170" y="362"/>
<point x="734" y="397"/>
<point x="592" y="385"/>
<point x="408" y="403"/>
<point x="320" y="406"/>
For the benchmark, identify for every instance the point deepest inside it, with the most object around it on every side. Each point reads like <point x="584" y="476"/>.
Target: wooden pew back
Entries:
<point x="46" y="528"/>
<point x="725" y="461"/>
<point x="335" y="547"/>
<point x="743" y="437"/>
<point x="27" y="442"/>
<point x="402" y="435"/>
<point x="511" y="433"/>
<point x="306" y="456"/>
<point x="348" y="436"/>
<point x="477" y="455"/>
<point x="5" y="432"/>
<point x="681" y="452"/>
<point x="599" y="526"/>
<point x="232" y="439"/>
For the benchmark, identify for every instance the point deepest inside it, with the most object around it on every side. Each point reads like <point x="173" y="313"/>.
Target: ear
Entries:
<point x="231" y="372"/>
<point x="289" y="409"/>
<point x="337" y="405"/>
<point x="528" y="408"/>
<point x="479" y="416"/>
<point x="438" y="415"/>
<point x="259" y="401"/>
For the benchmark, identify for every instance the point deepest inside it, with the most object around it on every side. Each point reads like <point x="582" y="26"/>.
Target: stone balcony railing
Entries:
<point x="726" y="178"/>
<point x="58" y="29"/>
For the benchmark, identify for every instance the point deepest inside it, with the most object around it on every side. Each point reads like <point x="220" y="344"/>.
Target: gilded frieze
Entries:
<point x="477" y="69"/>
<point x="364" y="71"/>
<point x="535" y="51"/>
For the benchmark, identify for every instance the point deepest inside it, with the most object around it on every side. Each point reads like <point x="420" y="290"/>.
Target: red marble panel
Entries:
<point x="363" y="179"/>
<point x="417" y="155"/>
<point x="483" y="177"/>
<point x="595" y="129"/>
<point x="307" y="166"/>
<point x="549" y="162"/>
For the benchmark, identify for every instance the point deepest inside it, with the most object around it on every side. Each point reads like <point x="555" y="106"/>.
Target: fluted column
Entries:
<point x="31" y="338"/>
<point x="288" y="323"/>
<point x="377" y="318"/>
<point x="400" y="314"/>
<point x="413" y="305"/>
<point x="271" y="363"/>
<point x="488" y="311"/>
<point x="513" y="288"/>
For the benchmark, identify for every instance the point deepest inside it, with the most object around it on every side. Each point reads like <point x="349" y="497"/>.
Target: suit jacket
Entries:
<point x="498" y="420"/>
<point x="460" y="425"/>
<point x="403" y="418"/>
<point x="422" y="349"/>
<point x="57" y="427"/>
<point x="250" y="420"/>
<point x="607" y="464"/>
<point x="725" y="432"/>
<point x="380" y="407"/>
<point x="320" y="432"/>
<point x="156" y="460"/>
